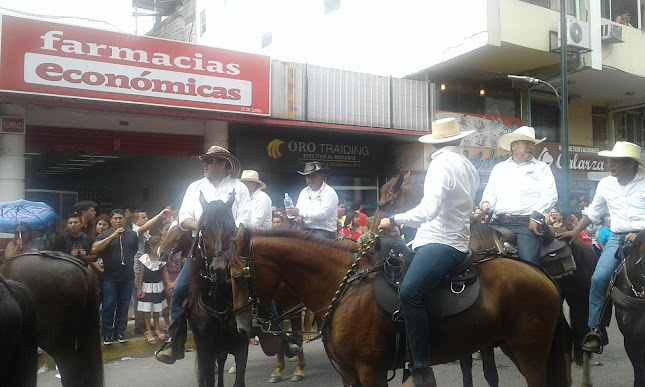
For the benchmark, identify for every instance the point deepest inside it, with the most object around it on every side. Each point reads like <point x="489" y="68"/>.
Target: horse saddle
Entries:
<point x="555" y="255"/>
<point x="456" y="292"/>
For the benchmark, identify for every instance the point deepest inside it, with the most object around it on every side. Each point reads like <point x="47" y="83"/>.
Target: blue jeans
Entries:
<point x="180" y="293"/>
<point x="600" y="280"/>
<point x="321" y="233"/>
<point x="431" y="263"/>
<point x="116" y="301"/>
<point x="528" y="244"/>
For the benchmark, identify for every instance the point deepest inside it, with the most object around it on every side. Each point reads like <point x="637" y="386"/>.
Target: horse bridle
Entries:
<point x="621" y="255"/>
<point x="396" y="195"/>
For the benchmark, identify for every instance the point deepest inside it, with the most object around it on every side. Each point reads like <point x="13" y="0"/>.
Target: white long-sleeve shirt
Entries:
<point x="319" y="208"/>
<point x="261" y="213"/>
<point x="448" y="200"/>
<point x="520" y="189"/>
<point x="191" y="208"/>
<point x="625" y="204"/>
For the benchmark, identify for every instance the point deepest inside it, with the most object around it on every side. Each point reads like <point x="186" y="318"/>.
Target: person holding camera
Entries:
<point x="74" y="242"/>
<point x="521" y="190"/>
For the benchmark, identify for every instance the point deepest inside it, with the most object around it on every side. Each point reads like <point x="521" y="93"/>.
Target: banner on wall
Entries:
<point x="488" y="129"/>
<point x="584" y="162"/>
<point x="57" y="59"/>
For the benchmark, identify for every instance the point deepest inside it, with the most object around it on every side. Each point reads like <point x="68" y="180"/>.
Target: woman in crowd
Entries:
<point x="21" y="243"/>
<point x="351" y="227"/>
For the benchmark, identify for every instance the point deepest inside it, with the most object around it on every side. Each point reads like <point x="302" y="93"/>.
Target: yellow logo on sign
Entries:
<point x="273" y="149"/>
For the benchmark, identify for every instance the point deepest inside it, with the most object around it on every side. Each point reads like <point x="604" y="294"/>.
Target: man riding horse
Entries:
<point x="521" y="190"/>
<point x="221" y="170"/>
<point x="622" y="195"/>
<point x="441" y="243"/>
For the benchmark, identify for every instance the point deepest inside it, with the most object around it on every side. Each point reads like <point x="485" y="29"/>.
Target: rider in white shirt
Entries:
<point x="622" y="195"/>
<point x="441" y="243"/>
<point x="261" y="213"/>
<point x="317" y="204"/>
<point x="521" y="190"/>
<point x="221" y="169"/>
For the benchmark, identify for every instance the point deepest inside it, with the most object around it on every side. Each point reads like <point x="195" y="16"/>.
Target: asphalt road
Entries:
<point x="614" y="371"/>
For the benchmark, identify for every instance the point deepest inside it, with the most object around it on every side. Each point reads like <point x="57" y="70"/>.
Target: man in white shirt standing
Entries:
<point x="441" y="242"/>
<point x="261" y="213"/>
<point x="622" y="195"/>
<point x="221" y="170"/>
<point x="521" y="190"/>
<point x="317" y="204"/>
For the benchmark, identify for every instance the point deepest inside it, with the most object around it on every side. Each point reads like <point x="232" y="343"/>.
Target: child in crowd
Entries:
<point x="351" y="227"/>
<point x="151" y="291"/>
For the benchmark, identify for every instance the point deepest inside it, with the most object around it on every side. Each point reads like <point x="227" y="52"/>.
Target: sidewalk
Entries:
<point x="135" y="347"/>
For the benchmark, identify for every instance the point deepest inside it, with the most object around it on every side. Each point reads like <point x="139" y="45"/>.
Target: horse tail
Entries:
<point x="26" y="356"/>
<point x="89" y="336"/>
<point x="559" y="368"/>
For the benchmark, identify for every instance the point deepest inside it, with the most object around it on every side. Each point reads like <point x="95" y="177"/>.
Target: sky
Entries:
<point x="390" y="38"/>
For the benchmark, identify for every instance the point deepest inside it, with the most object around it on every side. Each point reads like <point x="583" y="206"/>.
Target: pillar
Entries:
<point x="12" y="158"/>
<point x="216" y="133"/>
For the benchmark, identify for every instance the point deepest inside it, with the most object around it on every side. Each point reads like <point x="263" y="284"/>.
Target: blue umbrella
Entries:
<point x="36" y="215"/>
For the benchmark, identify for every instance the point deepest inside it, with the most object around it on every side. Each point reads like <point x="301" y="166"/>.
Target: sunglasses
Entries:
<point x="210" y="161"/>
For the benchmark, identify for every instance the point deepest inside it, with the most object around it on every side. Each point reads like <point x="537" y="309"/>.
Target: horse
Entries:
<point x="518" y="307"/>
<point x="65" y="295"/>
<point x="627" y="291"/>
<point x="179" y="240"/>
<point x="399" y="195"/>
<point x="18" y="335"/>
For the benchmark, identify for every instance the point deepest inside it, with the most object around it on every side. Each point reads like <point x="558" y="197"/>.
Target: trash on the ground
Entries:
<point x="190" y="349"/>
<point x="43" y="368"/>
<point x="126" y="358"/>
<point x="57" y="376"/>
<point x="598" y="363"/>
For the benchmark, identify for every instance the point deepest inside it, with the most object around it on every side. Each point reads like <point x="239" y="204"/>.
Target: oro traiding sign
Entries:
<point x="56" y="59"/>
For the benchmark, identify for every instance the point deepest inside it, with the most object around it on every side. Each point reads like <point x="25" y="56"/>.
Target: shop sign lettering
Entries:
<point x="12" y="125"/>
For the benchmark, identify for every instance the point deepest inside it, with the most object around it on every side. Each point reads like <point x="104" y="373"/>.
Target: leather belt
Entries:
<point x="515" y="218"/>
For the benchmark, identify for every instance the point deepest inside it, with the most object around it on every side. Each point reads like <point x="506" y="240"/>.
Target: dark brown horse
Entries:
<point x="65" y="294"/>
<point x="628" y="295"/>
<point x="399" y="195"/>
<point x="518" y="307"/>
<point x="17" y="335"/>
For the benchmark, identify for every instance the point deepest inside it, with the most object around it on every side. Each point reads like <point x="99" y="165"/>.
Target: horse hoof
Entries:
<point x="232" y="370"/>
<point x="275" y="379"/>
<point x="297" y="378"/>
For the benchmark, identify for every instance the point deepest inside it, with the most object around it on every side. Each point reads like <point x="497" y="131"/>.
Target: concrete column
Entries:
<point x="216" y="133"/>
<point x="12" y="158"/>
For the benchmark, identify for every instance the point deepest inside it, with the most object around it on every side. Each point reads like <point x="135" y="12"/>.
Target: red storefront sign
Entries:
<point x="12" y="125"/>
<point x="57" y="59"/>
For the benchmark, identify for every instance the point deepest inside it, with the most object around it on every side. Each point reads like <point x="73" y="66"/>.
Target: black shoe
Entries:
<point x="108" y="339"/>
<point x="121" y="337"/>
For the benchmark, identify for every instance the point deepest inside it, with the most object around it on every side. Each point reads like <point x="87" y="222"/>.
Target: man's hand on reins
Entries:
<point x="535" y="228"/>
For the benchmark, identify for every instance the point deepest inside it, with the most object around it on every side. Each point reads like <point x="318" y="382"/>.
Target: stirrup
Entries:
<point x="593" y="342"/>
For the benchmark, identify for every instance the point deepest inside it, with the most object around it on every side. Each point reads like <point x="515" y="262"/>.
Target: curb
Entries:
<point x="135" y="347"/>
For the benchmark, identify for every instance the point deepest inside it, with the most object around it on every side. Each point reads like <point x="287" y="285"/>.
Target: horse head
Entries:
<point x="399" y="194"/>
<point x="216" y="230"/>
<point x="176" y="240"/>
<point x="634" y="263"/>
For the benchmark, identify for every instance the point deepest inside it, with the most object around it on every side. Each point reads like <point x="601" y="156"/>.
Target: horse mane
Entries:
<point x="304" y="236"/>
<point x="484" y="234"/>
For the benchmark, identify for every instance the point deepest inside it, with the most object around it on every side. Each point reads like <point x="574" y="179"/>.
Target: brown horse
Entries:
<point x="65" y="298"/>
<point x="518" y="307"/>
<point x="399" y="195"/>
<point x="628" y="295"/>
<point x="17" y="335"/>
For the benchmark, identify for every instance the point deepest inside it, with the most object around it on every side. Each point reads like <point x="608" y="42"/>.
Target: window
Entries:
<point x="599" y="126"/>
<point x="331" y="5"/>
<point x="623" y="12"/>
<point x="629" y="127"/>
<point x="202" y="22"/>
<point x="266" y="40"/>
<point x="545" y="118"/>
<point x="554" y="5"/>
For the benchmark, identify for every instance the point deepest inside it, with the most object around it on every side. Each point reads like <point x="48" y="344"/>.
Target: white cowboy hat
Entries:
<point x="523" y="133"/>
<point x="624" y="149"/>
<point x="251" y="175"/>
<point x="444" y="130"/>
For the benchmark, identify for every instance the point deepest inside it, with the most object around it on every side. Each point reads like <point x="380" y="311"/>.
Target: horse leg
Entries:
<point x="220" y="370"/>
<point x="579" y="315"/>
<point x="276" y="376"/>
<point x="205" y="364"/>
<point x="466" y="364"/>
<point x="635" y="353"/>
<point x="586" y="369"/>
<point x="490" y="369"/>
<point x="371" y="376"/>
<point x="241" y="358"/>
<point x="65" y="358"/>
<point x="298" y="375"/>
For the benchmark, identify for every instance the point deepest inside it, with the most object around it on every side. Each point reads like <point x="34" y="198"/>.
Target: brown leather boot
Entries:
<point x="421" y="377"/>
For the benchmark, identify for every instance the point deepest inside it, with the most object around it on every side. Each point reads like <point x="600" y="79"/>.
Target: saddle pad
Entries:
<point x="442" y="302"/>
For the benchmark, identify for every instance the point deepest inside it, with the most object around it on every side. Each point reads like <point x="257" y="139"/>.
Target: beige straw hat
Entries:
<point x="444" y="130"/>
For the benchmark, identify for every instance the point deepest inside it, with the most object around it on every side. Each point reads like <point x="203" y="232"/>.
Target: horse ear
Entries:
<point x="399" y="182"/>
<point x="202" y="200"/>
<point x="231" y="199"/>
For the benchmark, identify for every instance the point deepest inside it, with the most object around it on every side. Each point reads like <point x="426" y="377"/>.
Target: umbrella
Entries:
<point x="37" y="215"/>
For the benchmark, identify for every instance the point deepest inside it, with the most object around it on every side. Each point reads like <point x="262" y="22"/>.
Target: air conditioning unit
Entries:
<point x="611" y="33"/>
<point x="578" y="36"/>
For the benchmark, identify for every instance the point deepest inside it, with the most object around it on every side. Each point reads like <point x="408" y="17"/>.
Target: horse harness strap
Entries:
<point x="63" y="257"/>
